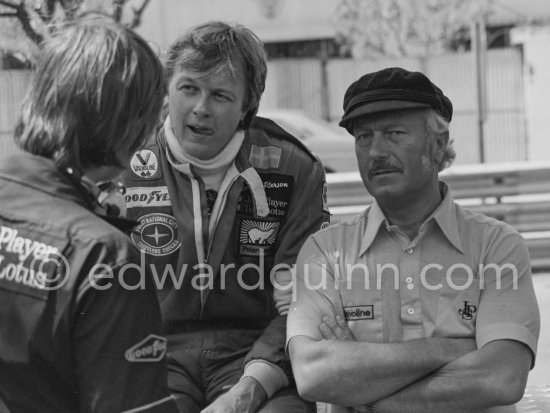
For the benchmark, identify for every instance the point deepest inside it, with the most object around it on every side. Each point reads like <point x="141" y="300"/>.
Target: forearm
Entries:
<point x="353" y="373"/>
<point x="266" y="362"/>
<point x="492" y="376"/>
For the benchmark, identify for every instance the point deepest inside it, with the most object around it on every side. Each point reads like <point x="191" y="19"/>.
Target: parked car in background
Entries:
<point x="332" y="144"/>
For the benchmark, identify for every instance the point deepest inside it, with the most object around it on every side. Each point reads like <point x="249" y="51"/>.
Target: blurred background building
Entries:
<point x="491" y="57"/>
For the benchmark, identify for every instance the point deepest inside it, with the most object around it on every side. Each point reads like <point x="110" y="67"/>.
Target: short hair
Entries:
<point x="436" y="124"/>
<point x="215" y="47"/>
<point x="97" y="90"/>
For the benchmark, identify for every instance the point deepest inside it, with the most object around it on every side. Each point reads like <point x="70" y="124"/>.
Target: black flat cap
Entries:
<point x="392" y="89"/>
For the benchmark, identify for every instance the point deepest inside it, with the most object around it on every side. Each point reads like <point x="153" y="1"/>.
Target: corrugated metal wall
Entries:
<point x="297" y="83"/>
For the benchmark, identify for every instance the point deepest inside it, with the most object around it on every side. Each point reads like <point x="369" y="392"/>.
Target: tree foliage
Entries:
<point x="403" y="28"/>
<point x="26" y="23"/>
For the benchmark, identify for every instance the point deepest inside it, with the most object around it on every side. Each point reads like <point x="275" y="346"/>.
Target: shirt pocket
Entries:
<point x="361" y="296"/>
<point x="458" y="304"/>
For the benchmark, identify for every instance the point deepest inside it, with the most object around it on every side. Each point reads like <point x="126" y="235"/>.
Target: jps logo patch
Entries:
<point x="467" y="312"/>
<point x="156" y="234"/>
<point x="144" y="164"/>
<point x="156" y="196"/>
<point x="255" y="236"/>
<point x="361" y="312"/>
<point x="150" y="349"/>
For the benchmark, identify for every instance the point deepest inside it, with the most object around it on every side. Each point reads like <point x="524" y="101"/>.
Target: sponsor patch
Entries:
<point x="151" y="349"/>
<point x="467" y="311"/>
<point x="156" y="234"/>
<point x="360" y="312"/>
<point x="256" y="237"/>
<point x="29" y="266"/>
<point x="156" y="196"/>
<point x="265" y="157"/>
<point x="144" y="164"/>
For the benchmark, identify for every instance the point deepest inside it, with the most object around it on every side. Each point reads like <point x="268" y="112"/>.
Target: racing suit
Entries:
<point x="72" y="337"/>
<point x="216" y="272"/>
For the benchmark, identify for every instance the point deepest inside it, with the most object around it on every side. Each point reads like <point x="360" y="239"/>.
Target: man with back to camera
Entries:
<point x="73" y="337"/>
<point x="418" y="304"/>
<point x="224" y="201"/>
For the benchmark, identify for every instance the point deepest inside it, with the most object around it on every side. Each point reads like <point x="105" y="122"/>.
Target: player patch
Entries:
<point x="151" y="349"/>
<point x="144" y="164"/>
<point x="256" y="237"/>
<point x="156" y="196"/>
<point x="361" y="312"/>
<point x="156" y="234"/>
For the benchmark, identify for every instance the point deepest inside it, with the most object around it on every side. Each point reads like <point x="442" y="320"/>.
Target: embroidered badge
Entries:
<point x="265" y="157"/>
<point x="151" y="349"/>
<point x="156" y="196"/>
<point x="360" y="312"/>
<point x="156" y="234"/>
<point x="144" y="164"/>
<point x="467" y="312"/>
<point x="257" y="236"/>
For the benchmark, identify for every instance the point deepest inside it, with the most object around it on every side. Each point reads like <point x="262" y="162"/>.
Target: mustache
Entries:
<point x="383" y="165"/>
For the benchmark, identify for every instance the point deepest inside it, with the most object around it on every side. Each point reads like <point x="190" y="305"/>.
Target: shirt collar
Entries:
<point x="374" y="217"/>
<point x="444" y="215"/>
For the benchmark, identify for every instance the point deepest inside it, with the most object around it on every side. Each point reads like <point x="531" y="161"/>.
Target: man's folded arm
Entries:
<point x="494" y="375"/>
<point x="352" y="373"/>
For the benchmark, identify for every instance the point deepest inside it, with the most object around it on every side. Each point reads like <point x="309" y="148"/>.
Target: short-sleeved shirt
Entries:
<point x="464" y="275"/>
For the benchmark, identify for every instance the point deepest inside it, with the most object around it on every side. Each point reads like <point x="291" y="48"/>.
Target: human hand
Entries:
<point x="244" y="397"/>
<point x="335" y="329"/>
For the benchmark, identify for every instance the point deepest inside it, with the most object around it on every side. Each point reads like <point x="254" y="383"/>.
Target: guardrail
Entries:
<point x="517" y="193"/>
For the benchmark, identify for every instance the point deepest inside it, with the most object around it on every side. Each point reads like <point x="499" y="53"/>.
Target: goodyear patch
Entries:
<point x="144" y="164"/>
<point x="360" y="312"/>
<point x="155" y="196"/>
<point x="156" y="234"/>
<point x="257" y="237"/>
<point x="151" y="349"/>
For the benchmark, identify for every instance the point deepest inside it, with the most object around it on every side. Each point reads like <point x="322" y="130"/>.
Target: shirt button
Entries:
<point x="410" y="311"/>
<point x="410" y="251"/>
<point x="408" y="280"/>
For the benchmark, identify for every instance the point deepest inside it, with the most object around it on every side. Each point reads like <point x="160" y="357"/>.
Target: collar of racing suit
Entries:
<point x="191" y="167"/>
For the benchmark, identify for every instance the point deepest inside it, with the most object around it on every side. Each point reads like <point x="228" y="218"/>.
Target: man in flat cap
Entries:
<point x="417" y="304"/>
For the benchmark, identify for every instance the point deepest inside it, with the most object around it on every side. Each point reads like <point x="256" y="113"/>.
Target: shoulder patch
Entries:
<point x="265" y="157"/>
<point x="151" y="349"/>
<point x="274" y="130"/>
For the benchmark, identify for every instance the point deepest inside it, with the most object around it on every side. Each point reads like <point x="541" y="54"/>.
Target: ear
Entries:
<point x="440" y="142"/>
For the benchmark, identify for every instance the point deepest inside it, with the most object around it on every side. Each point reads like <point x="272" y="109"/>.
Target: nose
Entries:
<point x="201" y="106"/>
<point x="379" y="145"/>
